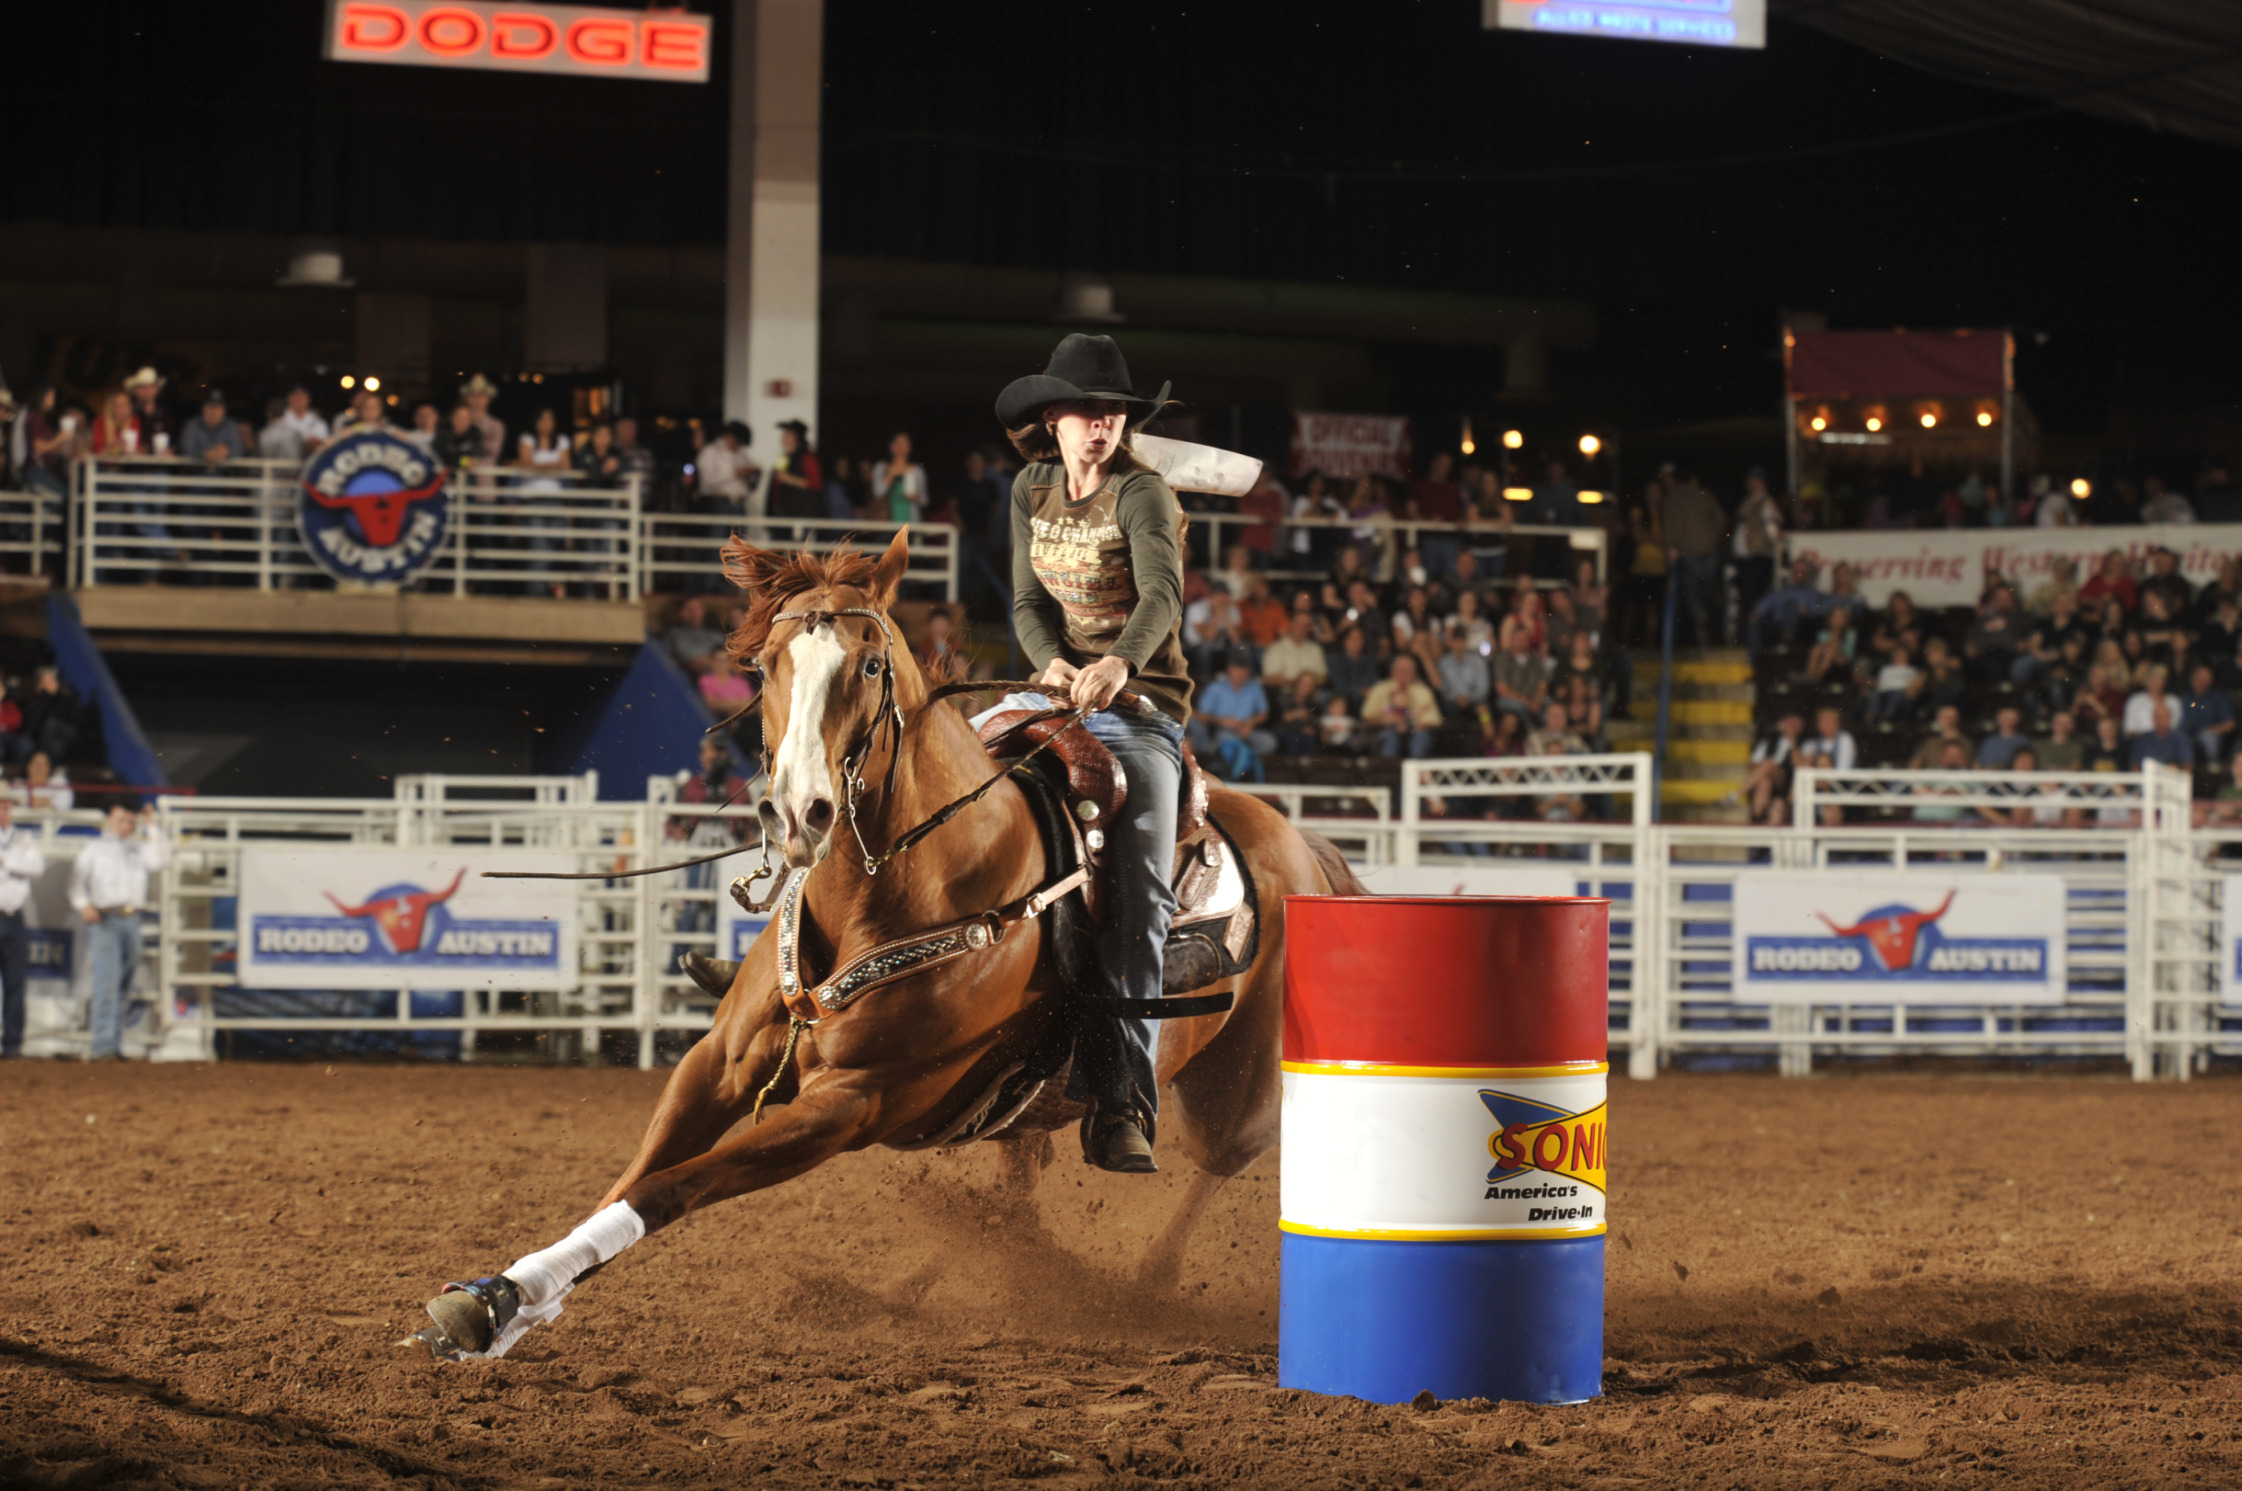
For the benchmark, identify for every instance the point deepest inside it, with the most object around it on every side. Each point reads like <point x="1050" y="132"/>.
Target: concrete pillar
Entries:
<point x="564" y="329"/>
<point x="771" y="239"/>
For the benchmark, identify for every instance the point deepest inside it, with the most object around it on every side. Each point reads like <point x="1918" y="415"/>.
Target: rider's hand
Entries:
<point x="1096" y="685"/>
<point x="1060" y="675"/>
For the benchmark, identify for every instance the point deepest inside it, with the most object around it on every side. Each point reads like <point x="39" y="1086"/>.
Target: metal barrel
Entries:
<point x="1442" y="1195"/>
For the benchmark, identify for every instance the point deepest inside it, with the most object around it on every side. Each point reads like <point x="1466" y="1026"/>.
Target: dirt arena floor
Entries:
<point x="1853" y="1281"/>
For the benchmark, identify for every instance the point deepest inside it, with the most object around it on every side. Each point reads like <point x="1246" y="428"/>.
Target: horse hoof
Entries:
<point x="467" y="1318"/>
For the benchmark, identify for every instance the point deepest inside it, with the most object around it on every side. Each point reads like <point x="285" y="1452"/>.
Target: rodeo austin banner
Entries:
<point x="404" y="919"/>
<point x="1899" y="939"/>
<point x="1947" y="566"/>
<point x="2230" y="941"/>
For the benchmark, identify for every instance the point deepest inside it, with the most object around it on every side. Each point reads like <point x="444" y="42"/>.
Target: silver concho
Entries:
<point x="977" y="935"/>
<point x="1086" y="810"/>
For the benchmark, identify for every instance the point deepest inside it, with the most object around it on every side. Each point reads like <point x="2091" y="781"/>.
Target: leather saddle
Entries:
<point x="1216" y="931"/>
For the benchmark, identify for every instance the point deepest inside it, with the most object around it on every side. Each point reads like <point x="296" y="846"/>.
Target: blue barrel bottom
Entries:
<point x="1386" y="1320"/>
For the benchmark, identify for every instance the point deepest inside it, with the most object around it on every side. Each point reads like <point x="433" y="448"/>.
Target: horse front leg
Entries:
<point x="485" y="1318"/>
<point x="712" y="1089"/>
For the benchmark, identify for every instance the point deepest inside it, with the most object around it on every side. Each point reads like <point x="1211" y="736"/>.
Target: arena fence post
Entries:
<point x="1424" y="1037"/>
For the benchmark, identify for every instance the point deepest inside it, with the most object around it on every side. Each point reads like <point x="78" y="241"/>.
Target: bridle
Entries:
<point x="887" y="717"/>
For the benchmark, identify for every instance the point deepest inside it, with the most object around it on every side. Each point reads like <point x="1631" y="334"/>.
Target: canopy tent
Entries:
<point x="2163" y="64"/>
<point x="1874" y="372"/>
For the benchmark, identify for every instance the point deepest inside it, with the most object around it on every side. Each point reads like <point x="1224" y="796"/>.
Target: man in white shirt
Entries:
<point x="727" y="475"/>
<point x="108" y="886"/>
<point x="1293" y="654"/>
<point x="1833" y="740"/>
<point x="298" y="431"/>
<point x="20" y="863"/>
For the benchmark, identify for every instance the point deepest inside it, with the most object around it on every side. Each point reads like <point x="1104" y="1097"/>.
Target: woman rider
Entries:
<point x="1097" y="584"/>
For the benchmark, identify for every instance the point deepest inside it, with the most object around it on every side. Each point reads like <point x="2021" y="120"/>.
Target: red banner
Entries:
<point x="1898" y="364"/>
<point x="1345" y="446"/>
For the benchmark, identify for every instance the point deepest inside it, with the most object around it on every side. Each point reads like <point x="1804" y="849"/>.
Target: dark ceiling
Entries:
<point x="1690" y="196"/>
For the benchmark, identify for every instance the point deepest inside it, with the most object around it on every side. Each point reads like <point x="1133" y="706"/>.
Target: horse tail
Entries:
<point x="1338" y="875"/>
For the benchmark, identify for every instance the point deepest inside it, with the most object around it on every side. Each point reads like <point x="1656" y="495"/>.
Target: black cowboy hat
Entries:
<point x="1081" y="367"/>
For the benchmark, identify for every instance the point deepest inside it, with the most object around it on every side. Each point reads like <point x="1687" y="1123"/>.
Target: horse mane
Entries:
<point x="772" y="577"/>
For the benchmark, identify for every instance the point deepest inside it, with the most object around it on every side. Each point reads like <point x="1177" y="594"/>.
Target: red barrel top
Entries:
<point x="1462" y="981"/>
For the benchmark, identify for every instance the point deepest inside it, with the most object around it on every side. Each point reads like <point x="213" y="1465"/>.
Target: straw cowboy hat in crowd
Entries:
<point x="147" y="377"/>
<point x="478" y="385"/>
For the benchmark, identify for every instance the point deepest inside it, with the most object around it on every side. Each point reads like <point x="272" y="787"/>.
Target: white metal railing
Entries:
<point x="1215" y="532"/>
<point x="2145" y="895"/>
<point x="31" y="532"/>
<point x="142" y="520"/>
<point x="684" y="551"/>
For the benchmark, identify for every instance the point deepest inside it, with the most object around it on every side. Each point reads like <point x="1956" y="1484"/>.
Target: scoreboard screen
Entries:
<point x="1702" y="23"/>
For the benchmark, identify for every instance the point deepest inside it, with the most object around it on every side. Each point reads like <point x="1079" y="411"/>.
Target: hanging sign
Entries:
<point x="371" y="508"/>
<point x="582" y="41"/>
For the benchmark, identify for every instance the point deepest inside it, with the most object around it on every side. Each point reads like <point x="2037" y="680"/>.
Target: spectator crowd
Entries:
<point x="2085" y="673"/>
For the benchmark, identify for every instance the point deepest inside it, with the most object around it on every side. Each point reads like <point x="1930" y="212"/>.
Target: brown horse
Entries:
<point x="904" y="1063"/>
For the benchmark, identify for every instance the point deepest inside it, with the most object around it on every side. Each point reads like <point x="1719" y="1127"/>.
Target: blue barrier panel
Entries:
<point x="650" y="724"/>
<point x="130" y="756"/>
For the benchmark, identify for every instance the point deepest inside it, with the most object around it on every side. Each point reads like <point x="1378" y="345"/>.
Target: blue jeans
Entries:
<point x="1418" y="743"/>
<point x="1139" y="859"/>
<point x="113" y="962"/>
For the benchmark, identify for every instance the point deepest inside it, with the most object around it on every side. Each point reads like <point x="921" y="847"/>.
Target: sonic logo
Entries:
<point x="402" y="911"/>
<point x="372" y="507"/>
<point x="1892" y="932"/>
<point x="1535" y="1135"/>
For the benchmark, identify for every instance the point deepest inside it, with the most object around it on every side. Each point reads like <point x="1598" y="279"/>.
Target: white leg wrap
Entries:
<point x="546" y="1276"/>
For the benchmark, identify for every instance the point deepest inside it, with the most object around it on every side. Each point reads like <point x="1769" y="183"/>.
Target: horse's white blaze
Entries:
<point x="800" y="776"/>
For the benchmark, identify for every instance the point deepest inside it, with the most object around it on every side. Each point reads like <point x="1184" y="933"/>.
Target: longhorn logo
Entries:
<point x="402" y="911"/>
<point x="1892" y="932"/>
<point x="372" y="508"/>
<point x="380" y="516"/>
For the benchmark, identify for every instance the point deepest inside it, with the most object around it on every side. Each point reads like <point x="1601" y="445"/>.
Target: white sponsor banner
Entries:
<point x="1947" y="566"/>
<point x="404" y="919"/>
<point x="2230" y="942"/>
<point x="1899" y="939"/>
<point x="1345" y="446"/>
<point x="1432" y="1156"/>
<point x="1485" y="877"/>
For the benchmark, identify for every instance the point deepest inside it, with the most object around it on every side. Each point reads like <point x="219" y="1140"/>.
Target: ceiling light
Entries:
<point x="1930" y="420"/>
<point x="1984" y="418"/>
<point x="1591" y="498"/>
<point x="2081" y="488"/>
<point x="1513" y="439"/>
<point x="1517" y="494"/>
<point x="349" y="382"/>
<point x="1589" y="445"/>
<point x="372" y="381"/>
<point x="1874" y="424"/>
<point x="1818" y="423"/>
